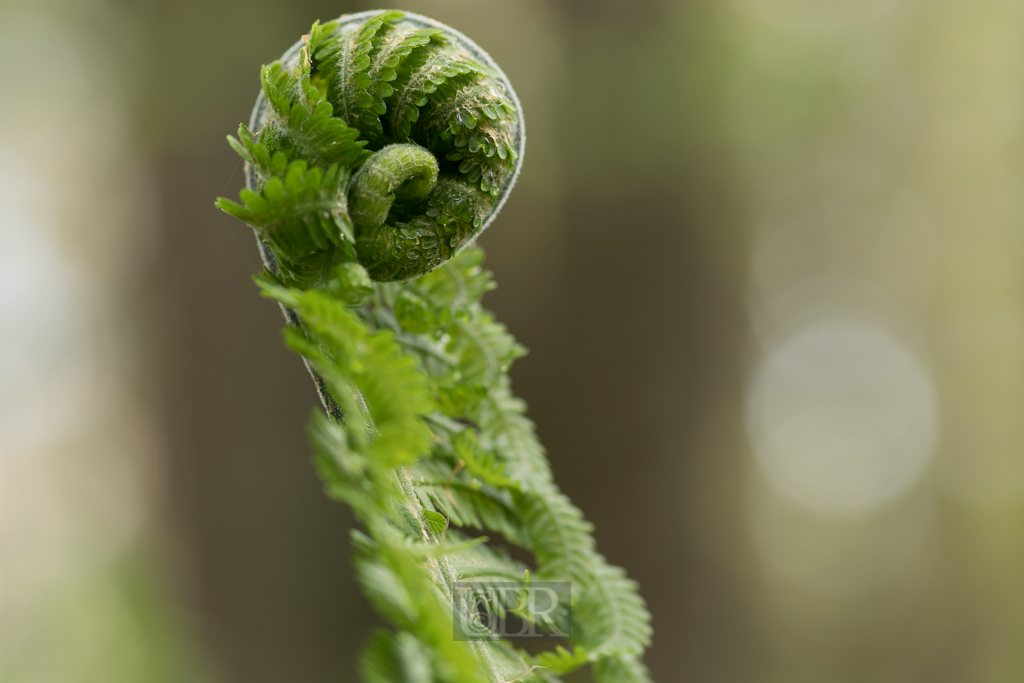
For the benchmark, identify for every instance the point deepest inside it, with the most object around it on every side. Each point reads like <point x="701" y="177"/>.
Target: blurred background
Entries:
<point x="767" y="256"/>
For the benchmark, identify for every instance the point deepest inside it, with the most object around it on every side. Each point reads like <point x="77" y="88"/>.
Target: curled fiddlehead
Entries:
<point x="380" y="146"/>
<point x="421" y="126"/>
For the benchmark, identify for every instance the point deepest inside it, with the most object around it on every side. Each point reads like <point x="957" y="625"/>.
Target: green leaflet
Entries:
<point x="436" y="522"/>
<point x="380" y="153"/>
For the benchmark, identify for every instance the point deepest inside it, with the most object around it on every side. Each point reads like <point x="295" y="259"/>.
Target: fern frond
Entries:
<point x="561" y="537"/>
<point x="280" y="87"/>
<point x="398" y="587"/>
<point x="613" y="616"/>
<point x="483" y="563"/>
<point x="418" y="77"/>
<point x="423" y="438"/>
<point x="465" y="502"/>
<point x="395" y="658"/>
<point x="462" y="282"/>
<point x="321" y="139"/>
<point x="621" y="669"/>
<point x="471" y="119"/>
<point x="302" y="126"/>
<point x="395" y="393"/>
<point x="562" y="661"/>
<point x="401" y="171"/>
<point x="514" y="665"/>
<point x="459" y="208"/>
<point x="342" y="468"/>
<point x="505" y="428"/>
<point x="433" y="622"/>
<point x="386" y="590"/>
<point x="344" y="59"/>
<point x="314" y="39"/>
<point x="480" y="464"/>
<point x="299" y="212"/>
<point x="391" y="46"/>
<point x="254" y="153"/>
<point x="484" y="347"/>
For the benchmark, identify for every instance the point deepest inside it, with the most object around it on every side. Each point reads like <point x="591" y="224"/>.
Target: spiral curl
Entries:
<point x="418" y="123"/>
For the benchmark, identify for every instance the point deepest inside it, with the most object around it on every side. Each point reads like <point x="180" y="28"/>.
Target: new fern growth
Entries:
<point x="381" y="145"/>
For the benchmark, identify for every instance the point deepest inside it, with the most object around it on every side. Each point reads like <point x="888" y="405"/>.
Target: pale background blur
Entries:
<point x="767" y="256"/>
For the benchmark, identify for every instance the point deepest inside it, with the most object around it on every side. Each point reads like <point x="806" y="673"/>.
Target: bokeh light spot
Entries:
<point x="841" y="417"/>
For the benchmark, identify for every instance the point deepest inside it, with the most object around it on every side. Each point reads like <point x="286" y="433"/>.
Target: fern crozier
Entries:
<point x="380" y="146"/>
